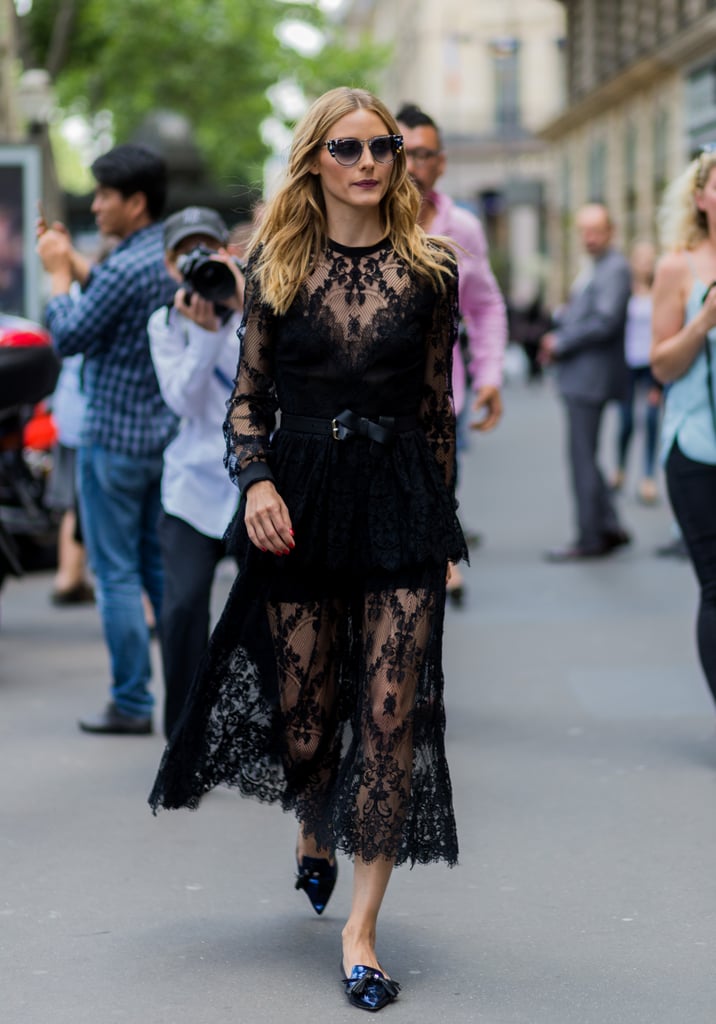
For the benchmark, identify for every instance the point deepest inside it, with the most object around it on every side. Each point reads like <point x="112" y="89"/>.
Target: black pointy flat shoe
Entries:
<point x="317" y="877"/>
<point x="369" y="989"/>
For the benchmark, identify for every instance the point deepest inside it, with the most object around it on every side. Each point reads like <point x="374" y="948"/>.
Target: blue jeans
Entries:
<point x="120" y="505"/>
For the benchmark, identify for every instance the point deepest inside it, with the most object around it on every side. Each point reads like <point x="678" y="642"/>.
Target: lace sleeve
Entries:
<point x="251" y="410"/>
<point x="437" y="411"/>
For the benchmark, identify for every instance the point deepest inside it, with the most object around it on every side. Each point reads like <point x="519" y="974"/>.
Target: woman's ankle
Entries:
<point x="306" y="846"/>
<point x="358" y="947"/>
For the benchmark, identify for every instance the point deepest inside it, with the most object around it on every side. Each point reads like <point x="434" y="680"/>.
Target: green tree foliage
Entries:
<point x="210" y="60"/>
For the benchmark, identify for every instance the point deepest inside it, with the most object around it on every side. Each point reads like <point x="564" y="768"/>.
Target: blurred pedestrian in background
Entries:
<point x="323" y="687"/>
<point x="642" y="387"/>
<point x="526" y="325"/>
<point x="127" y="424"/>
<point x="71" y="584"/>
<point x="482" y="308"/>
<point x="682" y="355"/>
<point x="195" y="351"/>
<point x="587" y="349"/>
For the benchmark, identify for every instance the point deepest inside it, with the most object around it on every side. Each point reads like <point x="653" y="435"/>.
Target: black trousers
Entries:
<point x="595" y="512"/>
<point x="190" y="559"/>
<point x="692" y="493"/>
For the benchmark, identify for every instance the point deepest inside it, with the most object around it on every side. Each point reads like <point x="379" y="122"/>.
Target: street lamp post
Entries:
<point x="35" y="104"/>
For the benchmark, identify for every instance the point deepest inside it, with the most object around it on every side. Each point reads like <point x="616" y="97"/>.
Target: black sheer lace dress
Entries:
<point x="322" y="687"/>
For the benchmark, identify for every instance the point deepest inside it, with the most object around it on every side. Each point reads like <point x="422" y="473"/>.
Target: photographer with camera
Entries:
<point x="195" y="351"/>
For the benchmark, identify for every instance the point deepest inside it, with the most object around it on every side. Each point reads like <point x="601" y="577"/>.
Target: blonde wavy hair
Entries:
<point x="293" y="229"/>
<point x="682" y="225"/>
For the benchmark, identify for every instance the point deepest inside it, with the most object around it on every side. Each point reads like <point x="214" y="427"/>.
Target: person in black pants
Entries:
<point x="682" y="350"/>
<point x="195" y="351"/>
<point x="587" y="348"/>
<point x="692" y="492"/>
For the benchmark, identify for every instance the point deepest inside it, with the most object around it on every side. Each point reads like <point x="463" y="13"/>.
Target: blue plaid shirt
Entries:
<point x="108" y="324"/>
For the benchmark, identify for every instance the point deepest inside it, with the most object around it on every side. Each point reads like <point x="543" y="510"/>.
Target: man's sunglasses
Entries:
<point x="383" y="148"/>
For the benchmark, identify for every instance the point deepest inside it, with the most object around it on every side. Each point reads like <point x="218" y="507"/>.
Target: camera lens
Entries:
<point x="209" y="277"/>
<point x="214" y="281"/>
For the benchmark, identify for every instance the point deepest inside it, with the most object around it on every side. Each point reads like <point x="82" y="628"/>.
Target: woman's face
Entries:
<point x="363" y="184"/>
<point x="706" y="197"/>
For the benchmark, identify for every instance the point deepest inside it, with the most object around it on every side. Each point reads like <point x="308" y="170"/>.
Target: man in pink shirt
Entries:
<point x="482" y="307"/>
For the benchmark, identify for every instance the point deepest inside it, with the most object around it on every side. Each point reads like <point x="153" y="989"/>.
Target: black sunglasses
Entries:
<point x="383" y="148"/>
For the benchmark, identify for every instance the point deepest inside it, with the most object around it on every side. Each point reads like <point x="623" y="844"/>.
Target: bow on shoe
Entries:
<point x="369" y="989"/>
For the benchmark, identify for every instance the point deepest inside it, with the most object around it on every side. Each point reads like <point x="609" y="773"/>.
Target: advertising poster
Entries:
<point x="19" y="195"/>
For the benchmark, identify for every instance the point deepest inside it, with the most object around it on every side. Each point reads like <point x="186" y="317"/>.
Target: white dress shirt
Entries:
<point x="196" y="369"/>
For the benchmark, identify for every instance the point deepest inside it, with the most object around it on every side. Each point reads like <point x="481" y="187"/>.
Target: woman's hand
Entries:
<point x="268" y="523"/>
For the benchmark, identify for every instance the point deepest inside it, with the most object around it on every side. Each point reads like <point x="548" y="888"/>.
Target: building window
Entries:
<point x="701" y="106"/>
<point x="631" y="193"/>
<point x="506" y="72"/>
<point x="660" y="154"/>
<point x="566" y="225"/>
<point x="597" y="171"/>
<point x="563" y="65"/>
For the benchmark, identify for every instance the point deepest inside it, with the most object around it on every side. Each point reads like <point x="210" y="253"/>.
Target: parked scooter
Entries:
<point x="29" y="368"/>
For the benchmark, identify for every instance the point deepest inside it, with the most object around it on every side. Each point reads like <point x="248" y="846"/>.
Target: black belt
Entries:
<point x="349" y="424"/>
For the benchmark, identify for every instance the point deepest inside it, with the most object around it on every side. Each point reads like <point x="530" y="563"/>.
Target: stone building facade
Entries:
<point x="490" y="74"/>
<point x="641" y="99"/>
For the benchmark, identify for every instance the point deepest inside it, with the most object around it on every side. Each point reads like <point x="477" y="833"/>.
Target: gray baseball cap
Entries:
<point x="194" y="220"/>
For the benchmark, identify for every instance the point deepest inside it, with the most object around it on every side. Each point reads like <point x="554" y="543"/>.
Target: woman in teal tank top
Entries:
<point x="683" y="340"/>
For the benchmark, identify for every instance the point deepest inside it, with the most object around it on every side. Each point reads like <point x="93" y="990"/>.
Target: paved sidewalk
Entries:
<point x="582" y="744"/>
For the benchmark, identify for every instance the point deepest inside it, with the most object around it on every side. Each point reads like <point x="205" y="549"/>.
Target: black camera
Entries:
<point x="207" y="276"/>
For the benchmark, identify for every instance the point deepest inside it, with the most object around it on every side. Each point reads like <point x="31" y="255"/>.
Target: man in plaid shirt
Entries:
<point x="127" y="424"/>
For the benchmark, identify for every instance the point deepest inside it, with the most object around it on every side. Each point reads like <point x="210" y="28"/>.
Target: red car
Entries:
<point x="29" y="368"/>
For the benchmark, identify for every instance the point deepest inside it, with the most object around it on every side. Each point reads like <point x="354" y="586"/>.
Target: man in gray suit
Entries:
<point x="587" y="348"/>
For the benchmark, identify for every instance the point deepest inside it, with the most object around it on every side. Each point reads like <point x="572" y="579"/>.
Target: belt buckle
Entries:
<point x="336" y="429"/>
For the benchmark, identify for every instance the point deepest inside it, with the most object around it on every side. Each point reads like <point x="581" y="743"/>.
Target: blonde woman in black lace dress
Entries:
<point x="323" y="686"/>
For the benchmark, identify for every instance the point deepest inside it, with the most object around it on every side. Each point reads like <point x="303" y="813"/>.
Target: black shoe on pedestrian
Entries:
<point x="473" y="539"/>
<point x="614" y="539"/>
<point x="81" y="593"/>
<point x="674" y="549"/>
<point x="576" y="553"/>
<point x="112" y="721"/>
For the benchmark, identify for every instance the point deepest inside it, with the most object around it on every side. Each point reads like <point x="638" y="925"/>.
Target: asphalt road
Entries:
<point x="582" y="746"/>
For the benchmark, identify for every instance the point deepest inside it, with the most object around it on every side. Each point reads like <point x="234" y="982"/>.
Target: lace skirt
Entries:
<point x="322" y="689"/>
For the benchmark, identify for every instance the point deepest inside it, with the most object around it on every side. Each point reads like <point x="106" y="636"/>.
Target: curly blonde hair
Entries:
<point x="293" y="229"/>
<point x="682" y="225"/>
